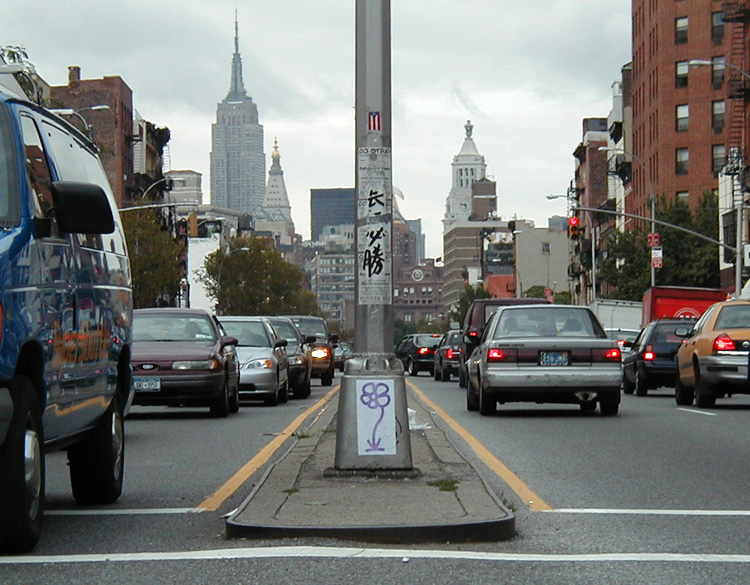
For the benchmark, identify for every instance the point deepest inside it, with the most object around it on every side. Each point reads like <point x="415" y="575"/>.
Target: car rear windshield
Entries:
<point x="169" y="327"/>
<point x="427" y="340"/>
<point x="664" y="333"/>
<point x="546" y="322"/>
<point x="733" y="317"/>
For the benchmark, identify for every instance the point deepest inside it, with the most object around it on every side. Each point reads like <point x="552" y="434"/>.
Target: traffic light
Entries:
<point x="574" y="228"/>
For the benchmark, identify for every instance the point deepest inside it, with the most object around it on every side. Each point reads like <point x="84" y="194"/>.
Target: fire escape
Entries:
<point x="737" y="12"/>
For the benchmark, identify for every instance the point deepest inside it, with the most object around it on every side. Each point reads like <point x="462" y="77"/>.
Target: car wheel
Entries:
<point x="413" y="368"/>
<point x="445" y="375"/>
<point x="487" y="402"/>
<point x="22" y="481"/>
<point x="472" y="399"/>
<point x="704" y="396"/>
<point x="97" y="464"/>
<point x="234" y="399"/>
<point x="641" y="387"/>
<point x="436" y="373"/>
<point x="627" y="386"/>
<point x="609" y="403"/>
<point x="302" y="391"/>
<point x="284" y="394"/>
<point x="462" y="377"/>
<point x="220" y="406"/>
<point x="327" y="378"/>
<point x="683" y="395"/>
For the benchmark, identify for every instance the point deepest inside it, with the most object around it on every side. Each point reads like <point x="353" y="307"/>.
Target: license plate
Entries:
<point x="554" y="358"/>
<point x="147" y="384"/>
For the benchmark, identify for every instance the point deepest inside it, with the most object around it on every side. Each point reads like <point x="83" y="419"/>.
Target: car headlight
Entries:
<point x="320" y="353"/>
<point x="211" y="364"/>
<point x="264" y="364"/>
<point x="297" y="360"/>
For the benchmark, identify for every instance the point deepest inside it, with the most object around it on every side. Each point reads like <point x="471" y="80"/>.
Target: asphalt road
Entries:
<point x="657" y="495"/>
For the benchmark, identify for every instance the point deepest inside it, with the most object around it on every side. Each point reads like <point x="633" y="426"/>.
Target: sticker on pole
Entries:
<point x="376" y="417"/>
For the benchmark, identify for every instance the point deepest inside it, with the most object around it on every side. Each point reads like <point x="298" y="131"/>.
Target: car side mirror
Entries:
<point x="70" y="199"/>
<point x="310" y="339"/>
<point x="280" y="343"/>
<point x="333" y="338"/>
<point x="228" y="340"/>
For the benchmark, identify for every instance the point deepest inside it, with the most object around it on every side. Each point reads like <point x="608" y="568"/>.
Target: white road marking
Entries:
<point x="121" y="512"/>
<point x="373" y="553"/>
<point x="693" y="411"/>
<point x="648" y="512"/>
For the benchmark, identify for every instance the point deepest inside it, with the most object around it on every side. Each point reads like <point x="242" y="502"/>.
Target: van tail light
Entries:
<point x="724" y="343"/>
<point x="649" y="354"/>
<point x="495" y="355"/>
<point x="612" y="354"/>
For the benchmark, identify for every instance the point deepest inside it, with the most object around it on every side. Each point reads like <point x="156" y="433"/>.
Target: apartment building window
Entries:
<point x="717" y="27"/>
<point x="681" y="74"/>
<point x="683" y="197"/>
<point x="718" y="158"/>
<point x="681" y="30"/>
<point x="546" y="249"/>
<point x="718" y="68"/>
<point x="682" y="115"/>
<point x="718" y="109"/>
<point x="682" y="160"/>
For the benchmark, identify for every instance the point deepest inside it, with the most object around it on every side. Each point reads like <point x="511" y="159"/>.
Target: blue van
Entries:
<point x="65" y="316"/>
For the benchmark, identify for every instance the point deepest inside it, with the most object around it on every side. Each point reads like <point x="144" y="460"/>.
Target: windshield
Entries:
<point x="248" y="333"/>
<point x="169" y="327"/>
<point x="316" y="327"/>
<point x="286" y="330"/>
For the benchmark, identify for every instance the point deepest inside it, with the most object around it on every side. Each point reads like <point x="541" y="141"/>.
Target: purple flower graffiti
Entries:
<point x="376" y="395"/>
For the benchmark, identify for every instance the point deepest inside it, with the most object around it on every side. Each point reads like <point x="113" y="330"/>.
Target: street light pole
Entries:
<point x="77" y="114"/>
<point x="652" y="195"/>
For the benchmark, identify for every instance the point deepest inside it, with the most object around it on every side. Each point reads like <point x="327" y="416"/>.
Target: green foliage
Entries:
<point x="688" y="260"/>
<point x="253" y="279"/>
<point x="401" y="328"/>
<point x="154" y="259"/>
<point x="470" y="294"/>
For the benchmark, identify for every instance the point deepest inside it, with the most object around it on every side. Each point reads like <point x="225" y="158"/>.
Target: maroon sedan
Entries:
<point x="183" y="357"/>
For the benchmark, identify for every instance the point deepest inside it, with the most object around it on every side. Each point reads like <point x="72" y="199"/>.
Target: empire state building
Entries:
<point x="238" y="163"/>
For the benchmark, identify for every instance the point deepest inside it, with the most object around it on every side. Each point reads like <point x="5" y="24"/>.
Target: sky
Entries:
<point x="524" y="73"/>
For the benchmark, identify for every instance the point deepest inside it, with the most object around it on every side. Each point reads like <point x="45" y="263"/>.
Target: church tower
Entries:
<point x="468" y="166"/>
<point x="276" y="205"/>
<point x="238" y="163"/>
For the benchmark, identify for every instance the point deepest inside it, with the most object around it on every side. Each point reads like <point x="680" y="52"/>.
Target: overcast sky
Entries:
<point x="524" y="73"/>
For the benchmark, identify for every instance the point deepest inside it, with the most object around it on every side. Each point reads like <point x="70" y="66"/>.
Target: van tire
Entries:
<point x="97" y="464"/>
<point x="22" y="502"/>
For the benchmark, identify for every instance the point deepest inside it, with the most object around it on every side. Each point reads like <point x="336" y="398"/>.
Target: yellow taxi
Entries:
<point x="712" y="361"/>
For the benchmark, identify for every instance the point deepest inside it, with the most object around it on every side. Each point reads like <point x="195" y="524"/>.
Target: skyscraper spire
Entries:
<point x="237" y="91"/>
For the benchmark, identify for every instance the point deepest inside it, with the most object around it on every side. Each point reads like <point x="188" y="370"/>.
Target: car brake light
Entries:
<point x="502" y="355"/>
<point x="473" y="333"/>
<point x="649" y="354"/>
<point x="449" y="354"/>
<point x="424" y="350"/>
<point x="606" y="355"/>
<point x="724" y="343"/>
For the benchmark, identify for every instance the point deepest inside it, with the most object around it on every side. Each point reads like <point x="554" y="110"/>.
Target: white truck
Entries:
<point x="615" y="314"/>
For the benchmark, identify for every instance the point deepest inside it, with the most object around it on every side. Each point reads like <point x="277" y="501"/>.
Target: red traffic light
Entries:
<point x="573" y="221"/>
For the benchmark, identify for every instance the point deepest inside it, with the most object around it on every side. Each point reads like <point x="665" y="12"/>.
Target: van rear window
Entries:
<point x="9" y="186"/>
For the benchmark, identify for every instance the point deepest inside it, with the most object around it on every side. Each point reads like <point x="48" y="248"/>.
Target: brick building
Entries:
<point x="111" y="128"/>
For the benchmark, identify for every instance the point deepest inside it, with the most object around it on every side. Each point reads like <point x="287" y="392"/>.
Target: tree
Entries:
<point x="252" y="278"/>
<point x="470" y="294"/>
<point x="688" y="260"/>
<point x="154" y="259"/>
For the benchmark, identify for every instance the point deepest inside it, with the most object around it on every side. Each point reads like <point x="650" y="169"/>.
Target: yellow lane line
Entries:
<point x="527" y="495"/>
<point x="212" y="503"/>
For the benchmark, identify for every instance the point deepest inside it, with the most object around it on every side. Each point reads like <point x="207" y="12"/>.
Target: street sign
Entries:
<point x="657" y="257"/>
<point x="653" y="239"/>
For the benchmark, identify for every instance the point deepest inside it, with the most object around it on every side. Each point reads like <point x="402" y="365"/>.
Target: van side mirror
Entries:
<point x="81" y="208"/>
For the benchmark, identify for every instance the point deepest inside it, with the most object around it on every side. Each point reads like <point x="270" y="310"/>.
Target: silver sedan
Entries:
<point x="544" y="353"/>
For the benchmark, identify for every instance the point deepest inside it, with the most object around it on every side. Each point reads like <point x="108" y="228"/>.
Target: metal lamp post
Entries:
<point x="77" y="114"/>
